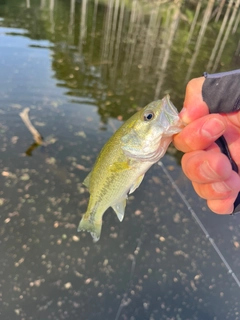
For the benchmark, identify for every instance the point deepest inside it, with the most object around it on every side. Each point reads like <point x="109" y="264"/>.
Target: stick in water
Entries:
<point x="36" y="135"/>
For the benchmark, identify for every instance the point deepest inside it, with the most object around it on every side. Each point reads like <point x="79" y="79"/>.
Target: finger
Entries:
<point x="201" y="133"/>
<point x="232" y="136"/>
<point x="234" y="118"/>
<point x="219" y="190"/>
<point x="222" y="206"/>
<point x="194" y="107"/>
<point x="206" y="166"/>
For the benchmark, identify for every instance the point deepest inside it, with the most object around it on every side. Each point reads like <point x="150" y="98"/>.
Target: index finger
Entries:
<point x="201" y="133"/>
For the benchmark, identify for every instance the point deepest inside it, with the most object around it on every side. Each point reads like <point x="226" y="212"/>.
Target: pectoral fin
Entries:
<point x="119" y="208"/>
<point x="136" y="184"/>
<point x="87" y="180"/>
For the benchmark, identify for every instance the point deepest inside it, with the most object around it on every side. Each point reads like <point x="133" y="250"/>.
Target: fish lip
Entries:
<point x="169" y="118"/>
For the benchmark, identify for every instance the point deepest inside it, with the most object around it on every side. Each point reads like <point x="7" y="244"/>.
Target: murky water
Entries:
<point x="82" y="67"/>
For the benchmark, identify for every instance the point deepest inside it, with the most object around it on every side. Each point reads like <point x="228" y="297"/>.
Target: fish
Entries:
<point x="123" y="161"/>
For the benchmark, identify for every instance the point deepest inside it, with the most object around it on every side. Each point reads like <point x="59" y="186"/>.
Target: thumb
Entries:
<point x="194" y="107"/>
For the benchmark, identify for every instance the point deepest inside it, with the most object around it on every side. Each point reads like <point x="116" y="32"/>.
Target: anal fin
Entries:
<point x="119" y="208"/>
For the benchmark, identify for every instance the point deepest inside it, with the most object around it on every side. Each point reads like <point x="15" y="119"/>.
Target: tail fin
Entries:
<point x="91" y="226"/>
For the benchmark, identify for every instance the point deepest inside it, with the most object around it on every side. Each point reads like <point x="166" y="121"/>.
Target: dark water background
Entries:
<point x="82" y="67"/>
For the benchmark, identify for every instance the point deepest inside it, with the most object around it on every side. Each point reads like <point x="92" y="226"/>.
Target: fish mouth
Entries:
<point x="169" y="118"/>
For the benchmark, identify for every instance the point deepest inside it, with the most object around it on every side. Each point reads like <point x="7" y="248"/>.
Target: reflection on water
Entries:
<point x="136" y="52"/>
<point x="82" y="67"/>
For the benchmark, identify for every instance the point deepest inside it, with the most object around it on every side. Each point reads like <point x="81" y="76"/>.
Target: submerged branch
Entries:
<point x="36" y="135"/>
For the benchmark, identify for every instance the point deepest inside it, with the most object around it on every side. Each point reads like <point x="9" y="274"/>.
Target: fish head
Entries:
<point x="158" y="118"/>
<point x="151" y="130"/>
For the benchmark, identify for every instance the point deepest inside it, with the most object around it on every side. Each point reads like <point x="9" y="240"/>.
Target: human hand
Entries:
<point x="203" y="163"/>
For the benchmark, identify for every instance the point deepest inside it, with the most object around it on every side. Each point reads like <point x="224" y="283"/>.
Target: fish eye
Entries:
<point x="148" y="116"/>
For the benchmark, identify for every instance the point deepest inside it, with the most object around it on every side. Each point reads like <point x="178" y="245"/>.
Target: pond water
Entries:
<point x="83" y="67"/>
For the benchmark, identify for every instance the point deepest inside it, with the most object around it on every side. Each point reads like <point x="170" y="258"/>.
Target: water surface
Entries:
<point x="83" y="67"/>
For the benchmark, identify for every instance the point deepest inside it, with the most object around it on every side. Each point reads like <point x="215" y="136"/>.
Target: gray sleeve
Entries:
<point x="221" y="91"/>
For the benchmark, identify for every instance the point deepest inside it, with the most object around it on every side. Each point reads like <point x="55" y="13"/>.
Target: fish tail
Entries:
<point x="90" y="225"/>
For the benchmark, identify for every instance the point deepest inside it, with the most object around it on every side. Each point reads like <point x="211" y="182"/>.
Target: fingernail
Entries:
<point x="208" y="172"/>
<point x="213" y="128"/>
<point x="220" y="187"/>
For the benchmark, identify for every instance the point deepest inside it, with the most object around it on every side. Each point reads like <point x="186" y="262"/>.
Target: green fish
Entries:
<point x="120" y="167"/>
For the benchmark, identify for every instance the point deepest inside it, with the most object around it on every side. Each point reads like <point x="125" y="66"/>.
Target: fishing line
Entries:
<point x="125" y="300"/>
<point x="136" y="252"/>
<point x="199" y="223"/>
<point x="124" y="303"/>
